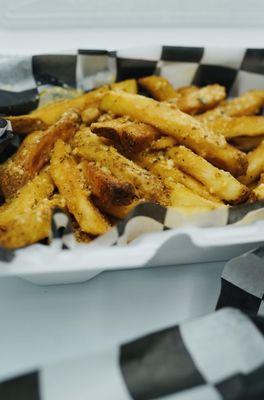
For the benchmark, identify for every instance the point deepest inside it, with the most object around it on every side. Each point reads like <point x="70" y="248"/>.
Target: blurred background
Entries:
<point x="51" y="25"/>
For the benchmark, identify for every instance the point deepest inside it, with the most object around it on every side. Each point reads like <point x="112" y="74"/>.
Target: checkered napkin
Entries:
<point x="216" y="357"/>
<point x="23" y="80"/>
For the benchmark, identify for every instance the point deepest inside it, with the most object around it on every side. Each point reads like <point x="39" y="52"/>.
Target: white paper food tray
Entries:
<point x="238" y="69"/>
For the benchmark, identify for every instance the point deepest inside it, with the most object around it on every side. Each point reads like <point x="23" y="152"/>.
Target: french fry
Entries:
<point x="258" y="191"/>
<point x="232" y="127"/>
<point x="105" y="186"/>
<point x="128" y="85"/>
<point x="163" y="143"/>
<point x="183" y="90"/>
<point x="218" y="182"/>
<point x="255" y="164"/>
<point x="119" y="212"/>
<point x="89" y="146"/>
<point x="183" y="127"/>
<point x="246" y="143"/>
<point x="164" y="167"/>
<point x="34" y="153"/>
<point x="249" y="103"/>
<point x="25" y="124"/>
<point x="90" y="114"/>
<point x="68" y="179"/>
<point x="192" y="210"/>
<point x="132" y="136"/>
<point x="26" y="218"/>
<point x="52" y="112"/>
<point x="181" y="196"/>
<point x="197" y="100"/>
<point x="159" y="87"/>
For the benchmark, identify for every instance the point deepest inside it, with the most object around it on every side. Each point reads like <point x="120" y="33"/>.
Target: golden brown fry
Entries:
<point x="246" y="143"/>
<point x="105" y="186"/>
<point x="255" y="164"/>
<point x="217" y="181"/>
<point x="249" y="103"/>
<point x="69" y="180"/>
<point x="26" y="218"/>
<point x="119" y="212"/>
<point x="24" y="124"/>
<point x="258" y="192"/>
<point x="163" y="143"/>
<point x="34" y="153"/>
<point x="52" y="112"/>
<point x="183" y="127"/>
<point x="164" y="167"/>
<point x="159" y="87"/>
<point x="90" y="147"/>
<point x="183" y="90"/>
<point x="180" y="196"/>
<point x="90" y="114"/>
<point x="232" y="127"/>
<point x="133" y="136"/>
<point x="128" y="85"/>
<point x="198" y="100"/>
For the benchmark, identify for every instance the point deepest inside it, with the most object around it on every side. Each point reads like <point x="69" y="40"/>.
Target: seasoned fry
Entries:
<point x="217" y="181"/>
<point x="190" y="99"/>
<point x="183" y="127"/>
<point x="232" y="127"/>
<point x="164" y="167"/>
<point x="163" y="143"/>
<point x="159" y="87"/>
<point x="26" y="218"/>
<point x="90" y="147"/>
<point x="52" y="112"/>
<point x="258" y="191"/>
<point x="198" y="100"/>
<point x="183" y="90"/>
<point x="128" y="85"/>
<point x="68" y="179"/>
<point x="255" y="164"/>
<point x="90" y="114"/>
<point x="132" y="136"/>
<point x="249" y="103"/>
<point x="34" y="153"/>
<point x="119" y="212"/>
<point x="25" y="124"/>
<point x="180" y="196"/>
<point x="105" y="186"/>
<point x="246" y="143"/>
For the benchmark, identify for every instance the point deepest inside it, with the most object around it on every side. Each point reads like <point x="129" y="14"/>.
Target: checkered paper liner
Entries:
<point x="23" y="87"/>
<point x="217" y="357"/>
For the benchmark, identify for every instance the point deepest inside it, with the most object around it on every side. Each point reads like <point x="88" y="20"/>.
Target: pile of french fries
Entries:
<point x="100" y="154"/>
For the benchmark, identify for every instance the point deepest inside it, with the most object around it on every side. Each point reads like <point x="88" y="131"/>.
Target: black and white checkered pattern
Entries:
<point x="243" y="283"/>
<point x="6" y="134"/>
<point x="216" y="357"/>
<point x="23" y="79"/>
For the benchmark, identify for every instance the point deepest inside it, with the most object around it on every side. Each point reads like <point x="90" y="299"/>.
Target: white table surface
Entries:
<point x="44" y="324"/>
